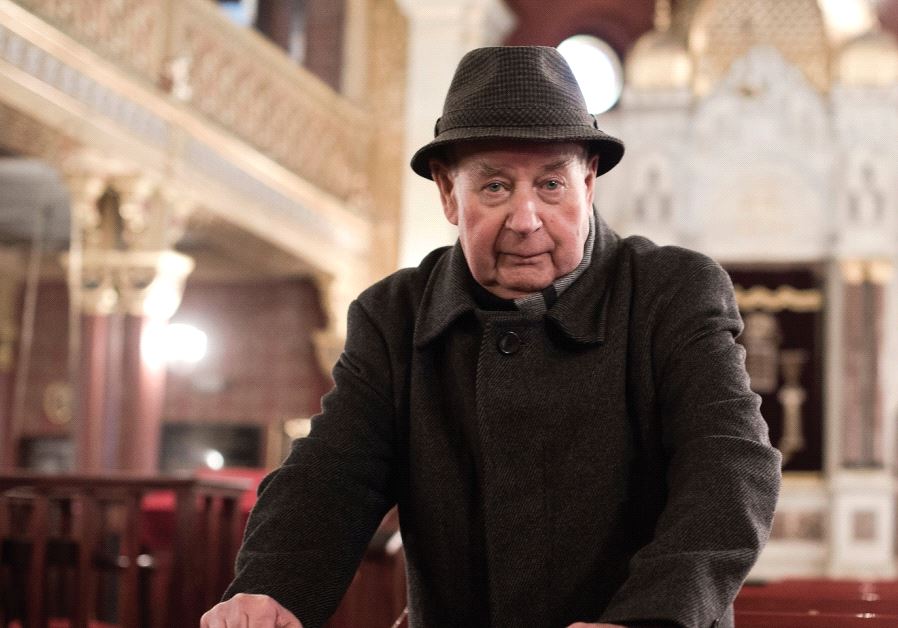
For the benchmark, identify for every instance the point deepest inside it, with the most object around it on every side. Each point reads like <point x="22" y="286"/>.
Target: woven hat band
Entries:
<point x="518" y="116"/>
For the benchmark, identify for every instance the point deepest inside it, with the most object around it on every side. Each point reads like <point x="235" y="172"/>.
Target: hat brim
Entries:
<point x="609" y="149"/>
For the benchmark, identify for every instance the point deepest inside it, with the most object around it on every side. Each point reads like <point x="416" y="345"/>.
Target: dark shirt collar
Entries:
<point x="580" y="313"/>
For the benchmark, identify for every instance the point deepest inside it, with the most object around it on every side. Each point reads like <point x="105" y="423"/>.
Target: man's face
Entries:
<point x="522" y="210"/>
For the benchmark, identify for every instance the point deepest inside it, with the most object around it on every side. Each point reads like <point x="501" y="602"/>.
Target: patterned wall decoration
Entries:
<point x="783" y="337"/>
<point x="724" y="30"/>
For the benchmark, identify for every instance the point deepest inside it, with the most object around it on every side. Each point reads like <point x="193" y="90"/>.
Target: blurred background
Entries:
<point x="192" y="192"/>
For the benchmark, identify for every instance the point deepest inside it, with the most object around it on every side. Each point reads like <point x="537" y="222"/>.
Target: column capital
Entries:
<point x="126" y="225"/>
<point x="140" y="283"/>
<point x="857" y="271"/>
<point x="152" y="218"/>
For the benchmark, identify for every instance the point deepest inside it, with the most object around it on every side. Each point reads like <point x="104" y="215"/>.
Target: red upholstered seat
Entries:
<point x="801" y="620"/>
<point x="818" y="603"/>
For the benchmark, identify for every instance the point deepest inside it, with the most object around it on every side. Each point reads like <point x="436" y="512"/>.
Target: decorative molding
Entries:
<point x="783" y="298"/>
<point x="87" y="91"/>
<point x="856" y="272"/>
<point x="219" y="168"/>
<point x="721" y="31"/>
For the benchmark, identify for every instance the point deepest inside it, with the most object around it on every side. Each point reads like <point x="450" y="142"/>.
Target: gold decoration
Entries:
<point x="659" y="61"/>
<point x="792" y="397"/>
<point x="725" y="30"/>
<point x="660" y="58"/>
<point x="762" y="339"/>
<point x="783" y="298"/>
<point x="856" y="272"/>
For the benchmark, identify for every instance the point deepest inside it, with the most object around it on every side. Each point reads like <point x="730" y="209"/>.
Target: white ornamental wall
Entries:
<point x="764" y="169"/>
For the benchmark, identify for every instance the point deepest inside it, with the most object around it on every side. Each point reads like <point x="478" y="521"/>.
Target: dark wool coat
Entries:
<point x="606" y="461"/>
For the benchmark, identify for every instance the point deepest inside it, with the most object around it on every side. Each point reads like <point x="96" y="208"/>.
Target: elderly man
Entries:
<point x="562" y="416"/>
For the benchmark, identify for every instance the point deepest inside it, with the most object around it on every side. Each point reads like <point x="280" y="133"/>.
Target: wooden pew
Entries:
<point x="66" y="540"/>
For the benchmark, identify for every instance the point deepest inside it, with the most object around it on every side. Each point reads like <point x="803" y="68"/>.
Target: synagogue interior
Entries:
<point x="193" y="192"/>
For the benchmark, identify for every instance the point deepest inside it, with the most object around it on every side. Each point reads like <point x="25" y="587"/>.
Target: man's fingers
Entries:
<point x="286" y="619"/>
<point x="246" y="610"/>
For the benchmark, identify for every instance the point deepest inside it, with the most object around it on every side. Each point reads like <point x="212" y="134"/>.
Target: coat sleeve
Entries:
<point x="316" y="513"/>
<point x="722" y="474"/>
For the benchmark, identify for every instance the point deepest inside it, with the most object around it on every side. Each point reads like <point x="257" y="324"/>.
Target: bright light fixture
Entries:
<point x="597" y="69"/>
<point x="847" y="18"/>
<point x="213" y="459"/>
<point x="184" y="344"/>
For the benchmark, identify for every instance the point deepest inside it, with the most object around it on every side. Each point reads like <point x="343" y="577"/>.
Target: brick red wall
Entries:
<point x="260" y="349"/>
<point x="48" y="361"/>
<point x="261" y="364"/>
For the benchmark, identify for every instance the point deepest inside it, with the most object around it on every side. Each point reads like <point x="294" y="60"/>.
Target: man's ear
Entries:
<point x="592" y="166"/>
<point x="444" y="177"/>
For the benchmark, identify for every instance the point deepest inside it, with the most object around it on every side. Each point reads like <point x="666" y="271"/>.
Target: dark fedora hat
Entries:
<point x="519" y="93"/>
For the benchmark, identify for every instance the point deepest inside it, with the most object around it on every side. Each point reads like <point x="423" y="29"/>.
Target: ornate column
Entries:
<point x="861" y="449"/>
<point x="92" y="300"/>
<point x="440" y="32"/>
<point x="147" y="309"/>
<point x="127" y="283"/>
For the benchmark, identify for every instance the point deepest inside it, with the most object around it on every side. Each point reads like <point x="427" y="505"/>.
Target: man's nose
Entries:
<point x="523" y="215"/>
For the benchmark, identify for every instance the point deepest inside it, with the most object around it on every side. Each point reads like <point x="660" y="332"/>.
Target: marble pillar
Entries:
<point x="126" y="283"/>
<point x="146" y="312"/>
<point x="861" y="482"/>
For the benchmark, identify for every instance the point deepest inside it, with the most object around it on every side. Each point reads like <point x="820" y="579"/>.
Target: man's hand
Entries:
<point x="246" y="610"/>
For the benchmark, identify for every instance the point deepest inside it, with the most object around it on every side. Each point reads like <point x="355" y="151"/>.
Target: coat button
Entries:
<point x="508" y="343"/>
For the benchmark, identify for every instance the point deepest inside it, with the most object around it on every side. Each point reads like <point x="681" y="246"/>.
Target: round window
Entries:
<point x="597" y="69"/>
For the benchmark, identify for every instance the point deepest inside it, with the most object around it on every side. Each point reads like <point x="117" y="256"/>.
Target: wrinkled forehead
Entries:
<point x="495" y="153"/>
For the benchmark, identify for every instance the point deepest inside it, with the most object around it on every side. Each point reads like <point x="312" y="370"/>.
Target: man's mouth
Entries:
<point x="523" y="258"/>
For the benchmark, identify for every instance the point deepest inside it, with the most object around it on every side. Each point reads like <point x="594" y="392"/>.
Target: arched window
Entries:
<point x="597" y="68"/>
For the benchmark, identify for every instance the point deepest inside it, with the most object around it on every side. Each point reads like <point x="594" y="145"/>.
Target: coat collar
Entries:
<point x="580" y="313"/>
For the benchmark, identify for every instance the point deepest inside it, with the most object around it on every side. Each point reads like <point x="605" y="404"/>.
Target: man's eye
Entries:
<point x="495" y="186"/>
<point x="553" y="184"/>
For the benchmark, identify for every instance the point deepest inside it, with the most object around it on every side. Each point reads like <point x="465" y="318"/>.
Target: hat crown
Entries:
<point x="513" y="85"/>
<point x="516" y="93"/>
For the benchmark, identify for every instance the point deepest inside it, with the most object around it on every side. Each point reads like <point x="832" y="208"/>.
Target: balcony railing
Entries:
<point x="231" y="76"/>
